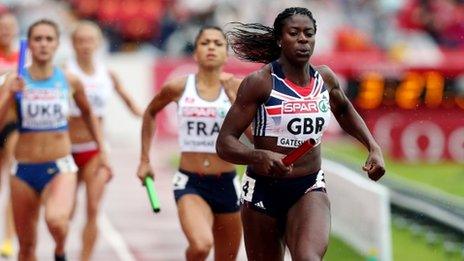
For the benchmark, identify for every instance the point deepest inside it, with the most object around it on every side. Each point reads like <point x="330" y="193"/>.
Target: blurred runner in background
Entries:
<point x="98" y="83"/>
<point x="8" y="134"/>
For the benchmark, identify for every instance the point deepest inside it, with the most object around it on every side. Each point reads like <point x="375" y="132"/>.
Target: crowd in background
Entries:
<point x="343" y="25"/>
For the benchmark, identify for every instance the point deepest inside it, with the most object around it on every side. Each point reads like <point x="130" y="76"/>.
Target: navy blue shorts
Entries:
<point x="219" y="191"/>
<point x="275" y="196"/>
<point x="38" y="175"/>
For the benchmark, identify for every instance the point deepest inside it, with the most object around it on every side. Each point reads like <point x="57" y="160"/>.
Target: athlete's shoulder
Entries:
<point x="70" y="76"/>
<point x="260" y="77"/>
<point x="177" y="83"/>
<point x="328" y="75"/>
<point x="174" y="88"/>
<point x="257" y="85"/>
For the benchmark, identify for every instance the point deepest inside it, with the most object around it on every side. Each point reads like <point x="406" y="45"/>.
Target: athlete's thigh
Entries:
<point x="59" y="195"/>
<point x="227" y="231"/>
<point x="263" y="238"/>
<point x="26" y="206"/>
<point x="196" y="218"/>
<point x="308" y="224"/>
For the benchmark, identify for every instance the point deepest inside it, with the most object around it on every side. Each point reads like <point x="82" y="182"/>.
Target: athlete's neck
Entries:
<point x="209" y="78"/>
<point x="298" y="74"/>
<point x="40" y="71"/>
<point x="86" y="65"/>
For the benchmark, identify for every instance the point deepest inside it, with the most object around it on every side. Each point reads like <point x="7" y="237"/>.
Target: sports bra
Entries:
<point x="97" y="88"/>
<point x="43" y="104"/>
<point x="292" y="113"/>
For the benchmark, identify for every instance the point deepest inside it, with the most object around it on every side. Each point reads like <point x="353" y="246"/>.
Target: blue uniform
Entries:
<point x="219" y="191"/>
<point x="43" y="105"/>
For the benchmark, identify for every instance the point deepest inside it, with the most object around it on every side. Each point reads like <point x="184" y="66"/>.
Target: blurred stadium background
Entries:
<point x="401" y="62"/>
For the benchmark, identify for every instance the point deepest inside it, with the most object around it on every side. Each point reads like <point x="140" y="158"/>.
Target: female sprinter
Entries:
<point x="205" y="186"/>
<point x="8" y="136"/>
<point x="98" y="83"/>
<point x="289" y="101"/>
<point x="45" y="172"/>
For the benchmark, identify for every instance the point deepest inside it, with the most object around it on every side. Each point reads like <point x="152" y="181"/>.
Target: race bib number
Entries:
<point x="179" y="181"/>
<point x="248" y="187"/>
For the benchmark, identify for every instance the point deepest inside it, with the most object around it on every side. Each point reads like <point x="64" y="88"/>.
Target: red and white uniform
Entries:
<point x="98" y="87"/>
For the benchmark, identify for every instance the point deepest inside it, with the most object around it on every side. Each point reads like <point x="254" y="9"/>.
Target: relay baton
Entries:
<point x="298" y="152"/>
<point x="152" y="196"/>
<point x="22" y="57"/>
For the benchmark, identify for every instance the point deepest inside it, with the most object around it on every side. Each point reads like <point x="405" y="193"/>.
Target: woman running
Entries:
<point x="45" y="172"/>
<point x="205" y="187"/>
<point x="289" y="101"/>
<point x="98" y="83"/>
<point x="8" y="135"/>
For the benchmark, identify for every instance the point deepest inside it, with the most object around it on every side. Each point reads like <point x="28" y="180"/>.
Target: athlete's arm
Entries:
<point x="136" y="110"/>
<point x="231" y="85"/>
<point x="171" y="91"/>
<point x="254" y="91"/>
<point x="353" y="124"/>
<point x="86" y="110"/>
<point x="11" y="85"/>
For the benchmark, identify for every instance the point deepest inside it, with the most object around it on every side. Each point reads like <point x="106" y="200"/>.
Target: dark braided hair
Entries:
<point x="255" y="42"/>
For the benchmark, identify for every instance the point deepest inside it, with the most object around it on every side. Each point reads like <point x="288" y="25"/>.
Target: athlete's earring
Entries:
<point x="280" y="46"/>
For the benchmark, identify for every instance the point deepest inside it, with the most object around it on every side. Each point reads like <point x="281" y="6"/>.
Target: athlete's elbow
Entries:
<point x="221" y="148"/>
<point x="86" y="112"/>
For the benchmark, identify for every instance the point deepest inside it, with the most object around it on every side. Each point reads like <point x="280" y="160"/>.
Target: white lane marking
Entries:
<point x="115" y="239"/>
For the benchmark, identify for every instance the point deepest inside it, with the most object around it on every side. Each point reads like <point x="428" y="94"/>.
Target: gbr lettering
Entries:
<point x="298" y="126"/>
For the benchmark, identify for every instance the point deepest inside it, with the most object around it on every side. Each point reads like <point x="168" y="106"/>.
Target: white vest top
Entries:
<point x="200" y="120"/>
<point x="97" y="88"/>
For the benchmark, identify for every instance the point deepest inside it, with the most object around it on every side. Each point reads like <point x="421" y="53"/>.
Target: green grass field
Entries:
<point x="445" y="176"/>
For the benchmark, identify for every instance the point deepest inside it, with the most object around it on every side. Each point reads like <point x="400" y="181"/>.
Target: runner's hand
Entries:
<point x="144" y="170"/>
<point x="16" y="84"/>
<point x="374" y="166"/>
<point x="270" y="163"/>
<point x="230" y="85"/>
<point x="105" y="165"/>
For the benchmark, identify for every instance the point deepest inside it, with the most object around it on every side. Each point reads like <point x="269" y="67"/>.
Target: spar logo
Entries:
<point x="207" y="112"/>
<point x="295" y="107"/>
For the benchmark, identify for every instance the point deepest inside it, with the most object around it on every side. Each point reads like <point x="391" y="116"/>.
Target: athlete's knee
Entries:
<point x="199" y="249"/>
<point x="92" y="209"/>
<point x="57" y="223"/>
<point x="27" y="247"/>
